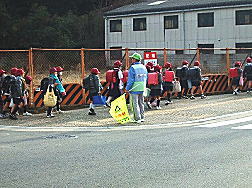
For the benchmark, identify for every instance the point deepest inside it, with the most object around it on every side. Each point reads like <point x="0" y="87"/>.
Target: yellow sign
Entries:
<point x="119" y="110"/>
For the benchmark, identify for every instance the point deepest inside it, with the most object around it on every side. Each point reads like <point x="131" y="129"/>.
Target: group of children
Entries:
<point x="54" y="82"/>
<point x="162" y="83"/>
<point x="14" y="87"/>
<point x="14" y="92"/>
<point x="237" y="76"/>
<point x="159" y="83"/>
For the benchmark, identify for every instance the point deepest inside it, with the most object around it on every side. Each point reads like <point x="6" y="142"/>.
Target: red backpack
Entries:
<point x="168" y="76"/>
<point x="111" y="76"/>
<point x="125" y="76"/>
<point x="233" y="72"/>
<point x="153" y="78"/>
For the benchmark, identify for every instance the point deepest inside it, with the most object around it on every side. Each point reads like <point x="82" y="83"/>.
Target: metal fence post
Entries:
<point x="165" y="55"/>
<point x="198" y="54"/>
<point x="127" y="58"/>
<point x="31" y="73"/>
<point x="227" y="59"/>
<point x="83" y="73"/>
<point x="228" y="64"/>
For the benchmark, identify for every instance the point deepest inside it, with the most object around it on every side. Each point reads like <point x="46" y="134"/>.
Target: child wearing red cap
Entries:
<point x="168" y="78"/>
<point x="59" y="97"/>
<point x="247" y="73"/>
<point x="7" y="91"/>
<point x="116" y="86"/>
<point x="156" y="90"/>
<point x="93" y="85"/>
<point x="2" y="76"/>
<point x="181" y="73"/>
<point x="235" y="74"/>
<point x="195" y="79"/>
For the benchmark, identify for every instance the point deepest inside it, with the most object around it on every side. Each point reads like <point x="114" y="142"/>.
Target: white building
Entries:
<point x="180" y="24"/>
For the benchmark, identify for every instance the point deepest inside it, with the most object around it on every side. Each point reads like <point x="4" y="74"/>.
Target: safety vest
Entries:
<point x="140" y="78"/>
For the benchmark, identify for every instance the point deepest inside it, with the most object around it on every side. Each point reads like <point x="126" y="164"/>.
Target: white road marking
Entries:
<point x="244" y="127"/>
<point x="224" y="123"/>
<point x="117" y="127"/>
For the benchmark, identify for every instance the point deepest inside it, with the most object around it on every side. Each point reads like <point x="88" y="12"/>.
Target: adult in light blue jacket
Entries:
<point x="136" y="84"/>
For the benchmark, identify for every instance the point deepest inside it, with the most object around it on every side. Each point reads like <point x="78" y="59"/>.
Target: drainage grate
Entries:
<point x="62" y="136"/>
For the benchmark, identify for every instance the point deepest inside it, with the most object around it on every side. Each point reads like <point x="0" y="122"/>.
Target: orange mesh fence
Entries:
<point x="239" y="55"/>
<point x="103" y="60"/>
<point x="70" y="60"/>
<point x="78" y="62"/>
<point x="14" y="58"/>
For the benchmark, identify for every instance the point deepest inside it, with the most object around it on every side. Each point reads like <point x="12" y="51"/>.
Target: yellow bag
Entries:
<point x="50" y="99"/>
<point x="119" y="110"/>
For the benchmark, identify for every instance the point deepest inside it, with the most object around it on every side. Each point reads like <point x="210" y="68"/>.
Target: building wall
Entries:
<point x="224" y="34"/>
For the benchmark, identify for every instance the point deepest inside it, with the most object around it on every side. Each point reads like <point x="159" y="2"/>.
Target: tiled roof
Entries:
<point x="174" y="5"/>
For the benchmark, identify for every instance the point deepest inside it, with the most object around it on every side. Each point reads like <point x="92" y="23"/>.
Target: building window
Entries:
<point x="179" y="51"/>
<point x="139" y="24"/>
<point x="115" y="25"/>
<point x="205" y="51"/>
<point x="171" y="22"/>
<point x="206" y="19"/>
<point x="116" y="54"/>
<point x="243" y="17"/>
<point x="243" y="45"/>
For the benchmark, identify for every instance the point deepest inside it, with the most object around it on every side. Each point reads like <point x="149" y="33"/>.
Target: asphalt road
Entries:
<point x="209" y="153"/>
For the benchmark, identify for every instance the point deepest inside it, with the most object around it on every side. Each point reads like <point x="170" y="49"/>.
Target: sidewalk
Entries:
<point x="180" y="111"/>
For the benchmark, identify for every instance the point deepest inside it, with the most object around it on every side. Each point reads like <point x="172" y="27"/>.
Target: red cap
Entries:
<point x="2" y="72"/>
<point x="167" y="65"/>
<point x="53" y="70"/>
<point x="157" y="68"/>
<point x="150" y="64"/>
<point x="185" y="62"/>
<point x="249" y="60"/>
<point x="95" y="71"/>
<point x="13" y="71"/>
<point x="59" y="69"/>
<point x="28" y="79"/>
<point x="148" y="67"/>
<point x="117" y="63"/>
<point x="196" y="63"/>
<point x="20" y="72"/>
<point x="238" y="64"/>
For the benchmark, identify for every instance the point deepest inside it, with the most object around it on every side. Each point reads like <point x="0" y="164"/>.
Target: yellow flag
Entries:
<point x="119" y="110"/>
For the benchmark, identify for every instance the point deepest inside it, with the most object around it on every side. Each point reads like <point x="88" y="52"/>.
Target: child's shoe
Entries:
<point x="149" y="105"/>
<point x="203" y="96"/>
<point x="192" y="97"/>
<point x="91" y="112"/>
<point x="27" y="114"/>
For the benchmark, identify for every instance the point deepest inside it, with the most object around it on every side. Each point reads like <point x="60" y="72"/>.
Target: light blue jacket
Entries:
<point x="137" y="78"/>
<point x="59" y="85"/>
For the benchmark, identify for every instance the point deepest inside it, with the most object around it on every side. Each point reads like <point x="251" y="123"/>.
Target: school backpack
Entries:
<point x="193" y="74"/>
<point x="125" y="76"/>
<point x="6" y="83"/>
<point x="15" y="87"/>
<point x="181" y="72"/>
<point x="153" y="78"/>
<point x="233" y="72"/>
<point x="168" y="76"/>
<point x="45" y="82"/>
<point x="111" y="76"/>
<point x="1" y="83"/>
<point x="248" y="70"/>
